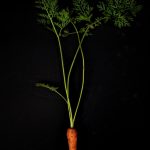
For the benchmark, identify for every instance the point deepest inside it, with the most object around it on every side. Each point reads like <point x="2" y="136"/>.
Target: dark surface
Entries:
<point x="112" y="110"/>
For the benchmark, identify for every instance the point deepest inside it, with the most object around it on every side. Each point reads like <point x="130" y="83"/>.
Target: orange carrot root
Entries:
<point x="72" y="138"/>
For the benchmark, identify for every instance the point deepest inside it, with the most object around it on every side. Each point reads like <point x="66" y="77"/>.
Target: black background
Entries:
<point x="112" y="109"/>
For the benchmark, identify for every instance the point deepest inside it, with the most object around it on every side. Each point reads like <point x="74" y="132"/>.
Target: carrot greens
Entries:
<point x="83" y="19"/>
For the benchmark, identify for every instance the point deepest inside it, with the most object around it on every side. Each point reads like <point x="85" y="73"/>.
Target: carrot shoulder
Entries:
<point x="72" y="138"/>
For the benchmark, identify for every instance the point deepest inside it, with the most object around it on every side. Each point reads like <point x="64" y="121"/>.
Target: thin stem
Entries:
<point x="53" y="89"/>
<point x="63" y="69"/>
<point x="83" y="69"/>
<point x="64" y="76"/>
<point x="60" y="47"/>
<point x="61" y="96"/>
<point x="61" y="54"/>
<point x="73" y="61"/>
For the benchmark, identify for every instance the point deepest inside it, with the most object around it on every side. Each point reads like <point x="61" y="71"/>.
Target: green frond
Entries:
<point x="121" y="22"/>
<point x="83" y="10"/>
<point x="47" y="6"/>
<point x="44" y="20"/>
<point x="40" y="7"/>
<point x="52" y="7"/>
<point x="63" y="18"/>
<point x="43" y="16"/>
<point x="121" y="12"/>
<point x="101" y="6"/>
<point x="52" y="88"/>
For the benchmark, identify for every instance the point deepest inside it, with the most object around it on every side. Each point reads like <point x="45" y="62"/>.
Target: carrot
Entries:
<point x="72" y="138"/>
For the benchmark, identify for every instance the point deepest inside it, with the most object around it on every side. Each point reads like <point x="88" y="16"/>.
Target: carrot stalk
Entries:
<point x="72" y="138"/>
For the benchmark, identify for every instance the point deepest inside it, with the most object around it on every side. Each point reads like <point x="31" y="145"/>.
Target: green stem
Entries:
<point x="49" y="88"/>
<point x="61" y="96"/>
<point x="63" y="69"/>
<point x="83" y="66"/>
<point x="75" y="56"/>
<point x="83" y="70"/>
<point x="64" y="76"/>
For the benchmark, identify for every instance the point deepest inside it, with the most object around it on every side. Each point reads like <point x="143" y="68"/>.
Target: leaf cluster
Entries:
<point x="51" y="13"/>
<point x="83" y="10"/>
<point x="121" y="12"/>
<point x="63" y="18"/>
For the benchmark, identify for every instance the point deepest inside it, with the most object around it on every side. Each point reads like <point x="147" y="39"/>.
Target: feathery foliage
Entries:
<point x="83" y="10"/>
<point x="52" y="88"/>
<point x="63" y="18"/>
<point x="121" y="12"/>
